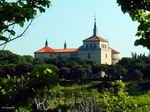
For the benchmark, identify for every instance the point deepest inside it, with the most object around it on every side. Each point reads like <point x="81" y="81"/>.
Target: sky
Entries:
<point x="73" y="21"/>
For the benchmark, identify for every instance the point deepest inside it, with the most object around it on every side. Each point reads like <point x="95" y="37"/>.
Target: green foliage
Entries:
<point x="78" y="72"/>
<point x="118" y="99"/>
<point x="137" y="67"/>
<point x="27" y="58"/>
<point x="13" y="88"/>
<point x="7" y="57"/>
<point x="135" y="75"/>
<point x="143" y="99"/>
<point x="64" y="73"/>
<point x="116" y="72"/>
<point x="97" y="69"/>
<point x="31" y="84"/>
<point x="23" y="69"/>
<point x="43" y="75"/>
<point x="139" y="11"/>
<point x="63" y="98"/>
<point x="18" y="12"/>
<point x="143" y="102"/>
<point x="134" y="88"/>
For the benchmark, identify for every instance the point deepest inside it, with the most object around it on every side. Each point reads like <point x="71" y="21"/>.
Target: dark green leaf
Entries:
<point x="41" y="9"/>
<point x="2" y="38"/>
<point x="21" y="24"/>
<point x="12" y="32"/>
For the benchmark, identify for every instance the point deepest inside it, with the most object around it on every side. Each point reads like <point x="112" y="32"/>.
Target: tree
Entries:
<point x="96" y="71"/>
<point x="134" y="74"/>
<point x="116" y="72"/>
<point x="77" y="73"/>
<point x="7" y="57"/>
<point x="146" y="73"/>
<point x="23" y="69"/>
<point x="28" y="58"/>
<point x="88" y="71"/>
<point x="53" y="67"/>
<point x="126" y="62"/>
<point x="17" y="91"/>
<point x="7" y="69"/>
<point x="18" y="12"/>
<point x="139" y="11"/>
<point x="64" y="73"/>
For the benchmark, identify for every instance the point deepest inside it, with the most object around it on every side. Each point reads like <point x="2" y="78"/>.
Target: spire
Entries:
<point x="46" y="44"/>
<point x="65" y="45"/>
<point x="95" y="27"/>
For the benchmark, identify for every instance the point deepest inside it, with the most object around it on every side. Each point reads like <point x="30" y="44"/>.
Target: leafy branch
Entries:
<point x="139" y="10"/>
<point x="18" y="13"/>
<point x="18" y="35"/>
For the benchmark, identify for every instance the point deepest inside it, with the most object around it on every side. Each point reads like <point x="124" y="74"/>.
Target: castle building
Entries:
<point x="94" y="48"/>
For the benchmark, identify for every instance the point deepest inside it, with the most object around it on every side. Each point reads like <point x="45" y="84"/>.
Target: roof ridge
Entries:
<point x="51" y="50"/>
<point x="96" y="38"/>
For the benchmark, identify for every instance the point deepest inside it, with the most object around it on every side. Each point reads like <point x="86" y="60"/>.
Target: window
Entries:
<point x="89" y="55"/>
<point x="87" y="46"/>
<point x="91" y="45"/>
<point x="94" y="45"/>
<point x="103" y="45"/>
<point x="105" y="55"/>
<point x="50" y="55"/>
<point x="72" y="54"/>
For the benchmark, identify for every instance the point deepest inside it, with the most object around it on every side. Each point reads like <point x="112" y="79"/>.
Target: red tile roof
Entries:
<point x="96" y="38"/>
<point x="66" y="50"/>
<point x="50" y="50"/>
<point x="45" y="50"/>
<point x="114" y="51"/>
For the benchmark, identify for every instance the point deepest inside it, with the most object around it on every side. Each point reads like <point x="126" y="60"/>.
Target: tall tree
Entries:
<point x="17" y="13"/>
<point x="139" y="10"/>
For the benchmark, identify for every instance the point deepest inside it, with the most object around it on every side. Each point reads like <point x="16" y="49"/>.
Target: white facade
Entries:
<point x="96" y="50"/>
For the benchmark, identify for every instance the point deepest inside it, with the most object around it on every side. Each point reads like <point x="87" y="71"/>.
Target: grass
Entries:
<point x="143" y="99"/>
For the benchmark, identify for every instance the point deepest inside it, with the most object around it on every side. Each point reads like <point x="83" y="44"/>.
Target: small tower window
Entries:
<point x="50" y="55"/>
<point x="89" y="55"/>
<point x="72" y="54"/>
<point x="104" y="46"/>
<point x="87" y="46"/>
<point x="94" y="45"/>
<point x="106" y="55"/>
<point x="91" y="45"/>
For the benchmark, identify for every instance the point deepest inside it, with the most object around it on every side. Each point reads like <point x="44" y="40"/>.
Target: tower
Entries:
<point x="46" y="43"/>
<point x="65" y="45"/>
<point x="95" y="27"/>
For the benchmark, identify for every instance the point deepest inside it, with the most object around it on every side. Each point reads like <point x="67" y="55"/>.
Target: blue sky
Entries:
<point x="72" y="21"/>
